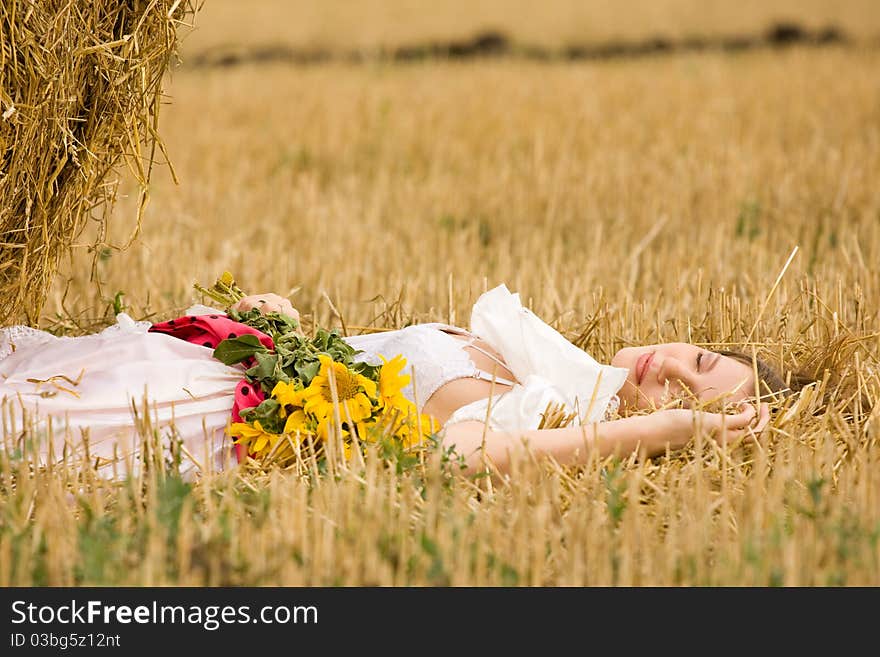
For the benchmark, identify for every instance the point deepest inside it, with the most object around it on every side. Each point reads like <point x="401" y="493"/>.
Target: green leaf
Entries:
<point x="308" y="371"/>
<point x="118" y="303"/>
<point x="235" y="350"/>
<point x="267" y="414"/>
<point x="267" y="367"/>
<point x="277" y="326"/>
<point x="367" y="370"/>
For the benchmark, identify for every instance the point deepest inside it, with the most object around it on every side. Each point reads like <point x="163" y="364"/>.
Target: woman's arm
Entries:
<point x="649" y="435"/>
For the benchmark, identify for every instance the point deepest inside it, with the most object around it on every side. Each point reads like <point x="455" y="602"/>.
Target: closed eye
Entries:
<point x="699" y="358"/>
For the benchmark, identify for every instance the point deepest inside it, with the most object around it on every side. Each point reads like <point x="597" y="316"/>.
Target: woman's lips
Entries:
<point x="642" y="365"/>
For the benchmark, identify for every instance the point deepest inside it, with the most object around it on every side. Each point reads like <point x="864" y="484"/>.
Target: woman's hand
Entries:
<point x="676" y="427"/>
<point x="267" y="303"/>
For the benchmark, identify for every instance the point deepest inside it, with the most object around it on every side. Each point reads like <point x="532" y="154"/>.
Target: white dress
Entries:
<point x="71" y="388"/>
<point x="548" y="368"/>
<point x="90" y="386"/>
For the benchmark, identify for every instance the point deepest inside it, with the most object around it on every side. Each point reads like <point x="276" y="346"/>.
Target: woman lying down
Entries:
<point x="487" y="387"/>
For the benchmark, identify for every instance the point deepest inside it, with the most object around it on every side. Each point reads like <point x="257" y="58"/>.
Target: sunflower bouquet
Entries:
<point x="315" y="389"/>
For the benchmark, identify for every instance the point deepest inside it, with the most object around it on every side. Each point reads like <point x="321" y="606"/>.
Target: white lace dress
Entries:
<point x="547" y="367"/>
<point x="82" y="395"/>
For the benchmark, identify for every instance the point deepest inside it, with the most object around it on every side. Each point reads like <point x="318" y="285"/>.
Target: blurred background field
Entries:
<point x="372" y="24"/>
<point x="589" y="186"/>
<point x="630" y="201"/>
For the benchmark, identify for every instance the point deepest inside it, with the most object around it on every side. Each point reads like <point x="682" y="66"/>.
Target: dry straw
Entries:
<point x="80" y="90"/>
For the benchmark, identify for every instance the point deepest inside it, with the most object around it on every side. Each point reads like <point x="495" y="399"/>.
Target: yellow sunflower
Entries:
<point x="287" y="395"/>
<point x="297" y="421"/>
<point x="255" y="439"/>
<point x="417" y="429"/>
<point x="353" y="391"/>
<point x="363" y="429"/>
<point x="391" y="382"/>
<point x="407" y="426"/>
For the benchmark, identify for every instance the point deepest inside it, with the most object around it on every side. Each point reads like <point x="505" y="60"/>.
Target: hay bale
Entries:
<point x="80" y="89"/>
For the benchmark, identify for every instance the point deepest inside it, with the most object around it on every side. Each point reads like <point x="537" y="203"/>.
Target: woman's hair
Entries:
<point x="832" y="366"/>
<point x="770" y="380"/>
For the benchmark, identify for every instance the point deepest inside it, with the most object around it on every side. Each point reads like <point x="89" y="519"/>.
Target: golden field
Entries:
<point x="630" y="202"/>
<point x="371" y="24"/>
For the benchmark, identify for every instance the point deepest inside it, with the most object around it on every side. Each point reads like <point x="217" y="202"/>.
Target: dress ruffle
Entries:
<point x="548" y="367"/>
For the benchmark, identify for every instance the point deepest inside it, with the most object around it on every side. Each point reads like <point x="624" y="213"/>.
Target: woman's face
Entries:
<point x="658" y="373"/>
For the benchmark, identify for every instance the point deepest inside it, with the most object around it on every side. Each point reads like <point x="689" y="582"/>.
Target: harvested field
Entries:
<point x="630" y="201"/>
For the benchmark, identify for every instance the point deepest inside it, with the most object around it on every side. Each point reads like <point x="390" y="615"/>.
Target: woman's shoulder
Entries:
<point x="530" y="346"/>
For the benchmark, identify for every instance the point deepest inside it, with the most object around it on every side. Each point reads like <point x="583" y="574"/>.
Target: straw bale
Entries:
<point x="80" y="90"/>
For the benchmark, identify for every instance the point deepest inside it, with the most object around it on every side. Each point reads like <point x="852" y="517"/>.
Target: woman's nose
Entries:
<point x="670" y="370"/>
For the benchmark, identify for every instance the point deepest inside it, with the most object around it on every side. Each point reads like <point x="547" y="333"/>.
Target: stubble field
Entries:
<point x="629" y="202"/>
